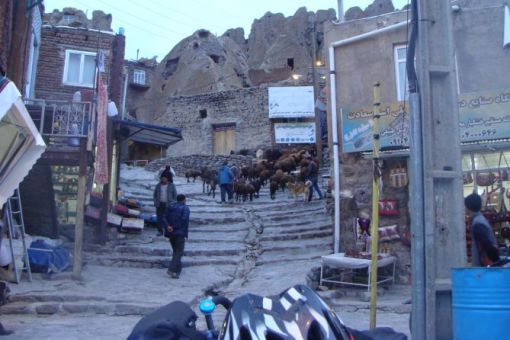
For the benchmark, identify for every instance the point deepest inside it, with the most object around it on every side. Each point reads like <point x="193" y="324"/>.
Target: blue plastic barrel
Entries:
<point x="481" y="303"/>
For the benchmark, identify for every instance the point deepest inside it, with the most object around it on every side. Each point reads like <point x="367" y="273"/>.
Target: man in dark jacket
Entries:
<point x="176" y="221"/>
<point x="312" y="174"/>
<point x="164" y="195"/>
<point x="226" y="179"/>
<point x="484" y="247"/>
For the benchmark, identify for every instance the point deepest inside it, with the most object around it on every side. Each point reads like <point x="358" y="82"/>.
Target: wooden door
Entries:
<point x="224" y="141"/>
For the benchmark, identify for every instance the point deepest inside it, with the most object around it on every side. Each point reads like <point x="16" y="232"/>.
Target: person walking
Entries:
<point x="176" y="221"/>
<point x="164" y="194"/>
<point x="226" y="180"/>
<point x="312" y="174"/>
<point x="484" y="247"/>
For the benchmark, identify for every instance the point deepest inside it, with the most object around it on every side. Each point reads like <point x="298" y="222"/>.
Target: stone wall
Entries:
<point x="246" y="109"/>
<point x="196" y="162"/>
<point x="356" y="177"/>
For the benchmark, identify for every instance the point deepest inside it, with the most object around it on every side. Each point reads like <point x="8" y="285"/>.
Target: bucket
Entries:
<point x="481" y="303"/>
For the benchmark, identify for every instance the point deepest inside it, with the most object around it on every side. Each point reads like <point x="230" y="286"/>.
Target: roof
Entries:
<point x="149" y="133"/>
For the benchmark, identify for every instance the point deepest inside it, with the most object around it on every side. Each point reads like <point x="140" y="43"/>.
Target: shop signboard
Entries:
<point x="294" y="133"/>
<point x="482" y="117"/>
<point x="291" y="102"/>
<point x="357" y="127"/>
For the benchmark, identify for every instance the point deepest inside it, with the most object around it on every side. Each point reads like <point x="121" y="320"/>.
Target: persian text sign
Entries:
<point x="291" y="102"/>
<point x="357" y="128"/>
<point x="481" y="117"/>
<point x="484" y="116"/>
<point x="294" y="133"/>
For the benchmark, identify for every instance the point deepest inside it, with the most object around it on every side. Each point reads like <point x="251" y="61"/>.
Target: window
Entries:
<point x="400" y="72"/>
<point x="139" y="77"/>
<point x="68" y="19"/>
<point x="79" y="68"/>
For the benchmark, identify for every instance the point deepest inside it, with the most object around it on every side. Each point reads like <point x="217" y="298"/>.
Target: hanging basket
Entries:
<point x="485" y="179"/>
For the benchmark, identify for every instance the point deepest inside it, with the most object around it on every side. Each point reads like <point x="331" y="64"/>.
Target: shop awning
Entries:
<point x="149" y="133"/>
<point x="21" y="145"/>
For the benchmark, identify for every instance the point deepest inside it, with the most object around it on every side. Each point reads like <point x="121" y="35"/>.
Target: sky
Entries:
<point x="153" y="28"/>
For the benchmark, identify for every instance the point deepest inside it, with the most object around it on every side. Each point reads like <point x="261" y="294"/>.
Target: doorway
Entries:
<point x="224" y="138"/>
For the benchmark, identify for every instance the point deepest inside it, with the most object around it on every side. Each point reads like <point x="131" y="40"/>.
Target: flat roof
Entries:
<point x="149" y="133"/>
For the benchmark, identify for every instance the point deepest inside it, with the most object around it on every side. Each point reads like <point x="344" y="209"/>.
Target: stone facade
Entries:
<point x="197" y="162"/>
<point x="135" y="90"/>
<point x="196" y="116"/>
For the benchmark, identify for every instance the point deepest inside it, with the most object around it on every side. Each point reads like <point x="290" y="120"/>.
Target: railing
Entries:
<point x="57" y="118"/>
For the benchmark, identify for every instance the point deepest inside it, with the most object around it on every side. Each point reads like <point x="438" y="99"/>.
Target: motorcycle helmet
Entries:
<point x="296" y="313"/>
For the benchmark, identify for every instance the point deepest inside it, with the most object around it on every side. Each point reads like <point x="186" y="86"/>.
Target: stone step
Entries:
<point x="160" y="261"/>
<point x="325" y="242"/>
<point x="285" y="258"/>
<point x="295" y="230"/>
<point x="300" y="222"/>
<point x="307" y="235"/>
<point x="210" y="219"/>
<point x="294" y="216"/>
<point x="82" y="307"/>
<point x="190" y="250"/>
<point x="284" y="210"/>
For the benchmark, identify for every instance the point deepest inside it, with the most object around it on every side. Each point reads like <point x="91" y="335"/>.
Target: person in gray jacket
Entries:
<point x="164" y="195"/>
<point x="484" y="246"/>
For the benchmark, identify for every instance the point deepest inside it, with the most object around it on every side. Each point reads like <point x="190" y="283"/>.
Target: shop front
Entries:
<point x="484" y="120"/>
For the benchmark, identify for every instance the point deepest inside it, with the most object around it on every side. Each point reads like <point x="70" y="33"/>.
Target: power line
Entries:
<point x="176" y="11"/>
<point x="144" y="20"/>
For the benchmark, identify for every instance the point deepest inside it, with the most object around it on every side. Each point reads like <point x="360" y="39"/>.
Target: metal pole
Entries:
<point x="336" y="158"/>
<point x="375" y="208"/>
<point x="318" y="135"/>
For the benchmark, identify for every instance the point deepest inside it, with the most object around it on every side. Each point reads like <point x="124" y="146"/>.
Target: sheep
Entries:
<point x="192" y="174"/>
<point x="286" y="165"/>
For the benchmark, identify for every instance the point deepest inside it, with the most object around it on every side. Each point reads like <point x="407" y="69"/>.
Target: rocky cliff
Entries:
<point x="277" y="48"/>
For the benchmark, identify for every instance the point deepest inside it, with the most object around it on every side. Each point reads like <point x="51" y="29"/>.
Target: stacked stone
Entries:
<point x="197" y="162"/>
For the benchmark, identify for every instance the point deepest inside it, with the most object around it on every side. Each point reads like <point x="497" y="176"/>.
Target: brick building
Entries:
<point x="67" y="61"/>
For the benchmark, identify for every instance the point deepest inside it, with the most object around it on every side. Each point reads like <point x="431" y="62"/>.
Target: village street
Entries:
<point x="261" y="247"/>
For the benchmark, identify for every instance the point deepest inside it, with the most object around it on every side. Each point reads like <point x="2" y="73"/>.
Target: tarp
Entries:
<point x="10" y="99"/>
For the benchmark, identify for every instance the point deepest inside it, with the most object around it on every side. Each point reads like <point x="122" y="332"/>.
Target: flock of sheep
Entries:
<point x="279" y="169"/>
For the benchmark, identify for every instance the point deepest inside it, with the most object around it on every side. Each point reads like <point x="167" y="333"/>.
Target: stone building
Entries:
<point x="361" y="60"/>
<point x="220" y="122"/>
<point x="215" y="88"/>
<point x="139" y="75"/>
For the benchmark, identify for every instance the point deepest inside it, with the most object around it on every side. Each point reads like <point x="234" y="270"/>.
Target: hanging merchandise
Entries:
<point x="398" y="176"/>
<point x="388" y="207"/>
<point x="468" y="178"/>
<point x="487" y="178"/>
<point x="503" y="174"/>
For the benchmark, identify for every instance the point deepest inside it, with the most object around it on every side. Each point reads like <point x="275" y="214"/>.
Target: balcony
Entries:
<point x="63" y="124"/>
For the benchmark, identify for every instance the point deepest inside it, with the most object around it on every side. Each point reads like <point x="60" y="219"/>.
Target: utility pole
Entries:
<point x="318" y="132"/>
<point x="437" y="213"/>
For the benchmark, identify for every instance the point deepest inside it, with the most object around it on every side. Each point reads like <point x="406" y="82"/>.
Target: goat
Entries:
<point x="192" y="174"/>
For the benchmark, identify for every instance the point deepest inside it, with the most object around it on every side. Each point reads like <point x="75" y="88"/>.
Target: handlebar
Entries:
<point x="207" y="307"/>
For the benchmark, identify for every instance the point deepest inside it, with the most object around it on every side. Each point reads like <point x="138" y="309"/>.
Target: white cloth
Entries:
<point x="339" y="260"/>
<point x="5" y="255"/>
<point x="163" y="193"/>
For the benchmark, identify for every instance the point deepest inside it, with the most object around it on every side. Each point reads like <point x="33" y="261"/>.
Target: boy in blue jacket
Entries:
<point x="176" y="221"/>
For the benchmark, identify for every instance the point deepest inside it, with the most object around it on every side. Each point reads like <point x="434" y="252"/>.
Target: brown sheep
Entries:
<point x="192" y="174"/>
<point x="286" y="165"/>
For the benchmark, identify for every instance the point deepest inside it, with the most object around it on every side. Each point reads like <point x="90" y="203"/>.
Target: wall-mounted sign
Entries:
<point x="484" y="116"/>
<point x="357" y="128"/>
<point x="294" y="133"/>
<point x="481" y="117"/>
<point x="291" y="102"/>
